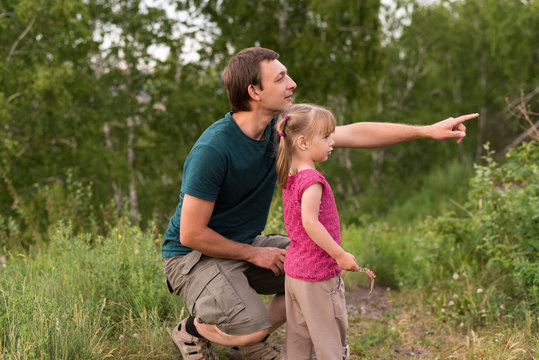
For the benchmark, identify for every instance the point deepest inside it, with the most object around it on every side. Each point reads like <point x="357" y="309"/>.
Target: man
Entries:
<point x="213" y="255"/>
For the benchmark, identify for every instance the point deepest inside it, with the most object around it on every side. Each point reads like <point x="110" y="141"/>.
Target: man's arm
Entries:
<point x="373" y="135"/>
<point x="195" y="233"/>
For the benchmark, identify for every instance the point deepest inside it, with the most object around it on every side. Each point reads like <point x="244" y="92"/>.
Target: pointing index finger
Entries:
<point x="463" y="118"/>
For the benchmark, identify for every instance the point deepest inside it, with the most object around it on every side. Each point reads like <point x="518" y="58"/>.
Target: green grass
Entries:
<point x="86" y="298"/>
<point x="410" y="329"/>
<point x="464" y="282"/>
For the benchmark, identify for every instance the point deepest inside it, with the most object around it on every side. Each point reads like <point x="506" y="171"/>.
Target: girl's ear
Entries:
<point x="302" y="142"/>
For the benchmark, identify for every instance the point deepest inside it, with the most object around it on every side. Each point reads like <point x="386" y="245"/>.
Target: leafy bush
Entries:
<point x="475" y="265"/>
<point x="62" y="200"/>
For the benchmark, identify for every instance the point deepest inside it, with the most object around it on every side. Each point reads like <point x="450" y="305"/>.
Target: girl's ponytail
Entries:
<point x="284" y="152"/>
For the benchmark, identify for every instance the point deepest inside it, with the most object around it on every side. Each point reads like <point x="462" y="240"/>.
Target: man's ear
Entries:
<point x="253" y="92"/>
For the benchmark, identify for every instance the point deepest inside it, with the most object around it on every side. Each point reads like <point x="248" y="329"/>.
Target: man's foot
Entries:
<point x="260" y="351"/>
<point x="192" y="347"/>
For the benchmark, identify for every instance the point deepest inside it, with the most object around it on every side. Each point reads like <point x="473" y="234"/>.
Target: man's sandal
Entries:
<point x="192" y="347"/>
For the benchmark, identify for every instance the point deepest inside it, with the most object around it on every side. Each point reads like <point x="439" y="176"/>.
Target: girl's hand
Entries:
<point x="347" y="261"/>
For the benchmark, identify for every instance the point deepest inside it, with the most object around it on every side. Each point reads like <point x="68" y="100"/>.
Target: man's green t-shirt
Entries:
<point x="237" y="173"/>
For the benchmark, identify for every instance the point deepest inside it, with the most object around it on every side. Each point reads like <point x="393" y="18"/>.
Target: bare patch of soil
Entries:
<point x="360" y="302"/>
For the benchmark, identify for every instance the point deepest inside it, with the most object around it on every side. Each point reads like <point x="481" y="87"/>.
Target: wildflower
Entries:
<point x="450" y="303"/>
<point x="135" y="335"/>
<point x="370" y="274"/>
<point x="121" y="338"/>
<point x="455" y="276"/>
<point x="455" y="296"/>
<point x="479" y="290"/>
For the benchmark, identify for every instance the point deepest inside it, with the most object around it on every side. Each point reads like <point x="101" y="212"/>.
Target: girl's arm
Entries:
<point x="310" y="208"/>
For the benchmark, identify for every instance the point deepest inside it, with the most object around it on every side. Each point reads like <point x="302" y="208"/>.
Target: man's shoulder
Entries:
<point x="215" y="129"/>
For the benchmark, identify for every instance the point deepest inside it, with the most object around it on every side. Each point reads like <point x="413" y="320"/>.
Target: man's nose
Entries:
<point x="291" y="83"/>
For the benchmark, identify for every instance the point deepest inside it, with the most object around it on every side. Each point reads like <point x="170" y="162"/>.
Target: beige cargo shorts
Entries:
<point x="225" y="292"/>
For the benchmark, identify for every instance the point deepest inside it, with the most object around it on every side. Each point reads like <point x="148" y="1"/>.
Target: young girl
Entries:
<point x="315" y="303"/>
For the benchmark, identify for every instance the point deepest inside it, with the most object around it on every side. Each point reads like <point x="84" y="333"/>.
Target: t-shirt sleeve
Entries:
<point x="203" y="173"/>
<point x="307" y="179"/>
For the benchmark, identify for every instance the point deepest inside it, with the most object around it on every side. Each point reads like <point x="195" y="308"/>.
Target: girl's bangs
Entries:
<point x="325" y="122"/>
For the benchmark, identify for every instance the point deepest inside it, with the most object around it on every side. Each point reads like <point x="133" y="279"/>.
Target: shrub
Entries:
<point x="476" y="265"/>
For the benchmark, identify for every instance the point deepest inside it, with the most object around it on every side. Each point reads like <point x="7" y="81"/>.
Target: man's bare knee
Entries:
<point x="254" y="338"/>
<point x="213" y="334"/>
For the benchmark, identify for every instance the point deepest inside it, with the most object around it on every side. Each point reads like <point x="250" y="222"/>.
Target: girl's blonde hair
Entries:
<point x="299" y="119"/>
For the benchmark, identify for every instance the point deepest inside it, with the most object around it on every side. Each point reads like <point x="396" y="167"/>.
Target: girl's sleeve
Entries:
<point x="307" y="178"/>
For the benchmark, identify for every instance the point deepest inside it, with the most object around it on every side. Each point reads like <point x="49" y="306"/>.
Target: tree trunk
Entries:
<point x="482" y="120"/>
<point x="131" y="162"/>
<point x="115" y="188"/>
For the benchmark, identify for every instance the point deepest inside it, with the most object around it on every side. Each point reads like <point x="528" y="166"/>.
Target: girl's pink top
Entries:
<point x="305" y="260"/>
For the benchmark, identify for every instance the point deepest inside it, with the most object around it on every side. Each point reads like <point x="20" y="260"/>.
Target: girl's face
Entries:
<point x="321" y="146"/>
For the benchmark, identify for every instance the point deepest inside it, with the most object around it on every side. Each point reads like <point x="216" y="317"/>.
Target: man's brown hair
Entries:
<point x="242" y="70"/>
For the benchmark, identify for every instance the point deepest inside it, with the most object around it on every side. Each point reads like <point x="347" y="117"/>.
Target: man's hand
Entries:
<point x="452" y="128"/>
<point x="269" y="258"/>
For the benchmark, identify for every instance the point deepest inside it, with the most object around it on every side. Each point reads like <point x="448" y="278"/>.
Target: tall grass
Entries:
<point x="86" y="297"/>
<point x="440" y="190"/>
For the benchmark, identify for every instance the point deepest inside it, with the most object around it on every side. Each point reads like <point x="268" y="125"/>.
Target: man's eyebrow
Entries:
<point x="282" y="73"/>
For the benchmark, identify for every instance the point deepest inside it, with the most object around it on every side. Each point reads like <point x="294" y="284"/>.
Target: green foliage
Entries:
<point x="478" y="263"/>
<point x="85" y="94"/>
<point x="85" y="294"/>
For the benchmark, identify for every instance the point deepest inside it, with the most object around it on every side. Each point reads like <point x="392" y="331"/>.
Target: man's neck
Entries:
<point x="252" y="123"/>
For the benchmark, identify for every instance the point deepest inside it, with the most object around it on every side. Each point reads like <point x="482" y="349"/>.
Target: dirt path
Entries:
<point x="359" y="302"/>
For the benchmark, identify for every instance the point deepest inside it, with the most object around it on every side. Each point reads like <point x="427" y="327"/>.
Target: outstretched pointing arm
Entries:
<point x="373" y="135"/>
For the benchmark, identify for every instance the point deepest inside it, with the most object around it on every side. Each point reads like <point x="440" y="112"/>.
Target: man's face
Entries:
<point x="278" y="86"/>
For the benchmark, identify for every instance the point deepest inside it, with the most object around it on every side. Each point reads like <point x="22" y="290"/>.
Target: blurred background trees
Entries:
<point x="101" y="101"/>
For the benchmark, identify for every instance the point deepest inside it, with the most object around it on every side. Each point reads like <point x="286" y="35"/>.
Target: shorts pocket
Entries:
<point x="226" y="296"/>
<point x="190" y="260"/>
<point x="213" y="298"/>
<point x="338" y="298"/>
<point x="194" y="287"/>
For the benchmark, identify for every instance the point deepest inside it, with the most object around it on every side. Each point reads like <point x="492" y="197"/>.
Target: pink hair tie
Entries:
<point x="286" y="117"/>
<point x="281" y="134"/>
